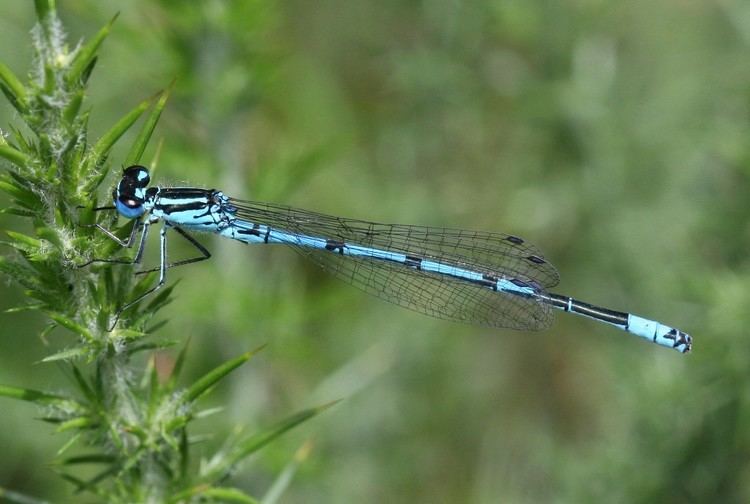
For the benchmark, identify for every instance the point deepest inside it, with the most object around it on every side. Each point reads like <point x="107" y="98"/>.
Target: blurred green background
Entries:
<point x="614" y="135"/>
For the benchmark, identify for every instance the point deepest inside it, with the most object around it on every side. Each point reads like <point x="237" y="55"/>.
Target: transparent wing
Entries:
<point x="437" y="295"/>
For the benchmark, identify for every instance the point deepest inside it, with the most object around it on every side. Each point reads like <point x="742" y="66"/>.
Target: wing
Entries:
<point x="438" y="295"/>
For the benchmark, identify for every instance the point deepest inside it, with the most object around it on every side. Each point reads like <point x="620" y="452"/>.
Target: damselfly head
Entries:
<point x="130" y="193"/>
<point x="138" y="175"/>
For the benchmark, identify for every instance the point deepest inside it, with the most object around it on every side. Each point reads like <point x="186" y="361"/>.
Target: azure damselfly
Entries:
<point x="489" y="279"/>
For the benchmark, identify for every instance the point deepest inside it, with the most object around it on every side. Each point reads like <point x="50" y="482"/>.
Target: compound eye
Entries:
<point x="139" y="175"/>
<point x="130" y="202"/>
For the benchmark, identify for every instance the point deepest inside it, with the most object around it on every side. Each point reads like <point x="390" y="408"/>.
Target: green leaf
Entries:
<point x="50" y="235"/>
<point x="130" y="334"/>
<point x="71" y="111"/>
<point x="260" y="439"/>
<point x="44" y="8"/>
<point x="21" y="195"/>
<point x="157" y="155"/>
<point x="209" y="379"/>
<point x="92" y="458"/>
<point x="257" y="441"/>
<point x="161" y="299"/>
<point x="90" y="485"/>
<point x="89" y="70"/>
<point x="83" y="384"/>
<point x="87" y="53"/>
<point x="19" y="212"/>
<point x="66" y="354"/>
<point x="15" y="185"/>
<point x="154" y="328"/>
<point x="20" y="273"/>
<point x="16" y="157"/>
<point x="222" y="494"/>
<point x="26" y="307"/>
<point x="30" y="395"/>
<point x="24" y="239"/>
<point x="11" y="98"/>
<point x="76" y="482"/>
<point x="14" y="88"/>
<point x="83" y="422"/>
<point x="72" y="326"/>
<point x="208" y="412"/>
<point x="184" y="451"/>
<point x="178" y="364"/>
<point x="105" y="143"/>
<point x="226" y="494"/>
<point x="69" y="443"/>
<point x="151" y="380"/>
<point x="153" y="345"/>
<point x="281" y="483"/>
<point x="141" y="141"/>
<point x="21" y="247"/>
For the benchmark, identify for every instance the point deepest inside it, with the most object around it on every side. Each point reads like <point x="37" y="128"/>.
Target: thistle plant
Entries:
<point x="133" y="425"/>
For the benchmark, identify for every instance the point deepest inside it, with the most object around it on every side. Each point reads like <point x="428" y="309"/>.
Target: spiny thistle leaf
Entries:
<point x="141" y="141"/>
<point x="102" y="147"/>
<point x="13" y="87"/>
<point x="21" y="195"/>
<point x="69" y="444"/>
<point x="178" y="364"/>
<point x="226" y="494"/>
<point x="16" y="157"/>
<point x="87" y="53"/>
<point x="44" y="8"/>
<point x="18" y="212"/>
<point x="83" y="422"/>
<point x="35" y="396"/>
<point x="67" y="355"/>
<point x="20" y="238"/>
<point x="252" y="444"/>
<point x="83" y="385"/>
<point x="72" y="326"/>
<point x="220" y="494"/>
<point x="91" y="458"/>
<point x="71" y="111"/>
<point x="262" y="438"/>
<point x="209" y="379"/>
<point x="49" y="234"/>
<point x="283" y="480"/>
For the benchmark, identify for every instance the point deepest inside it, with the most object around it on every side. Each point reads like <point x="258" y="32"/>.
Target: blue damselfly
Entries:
<point x="488" y="279"/>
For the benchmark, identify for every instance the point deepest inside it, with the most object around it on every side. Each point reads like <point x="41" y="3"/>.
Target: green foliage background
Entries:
<point x="612" y="134"/>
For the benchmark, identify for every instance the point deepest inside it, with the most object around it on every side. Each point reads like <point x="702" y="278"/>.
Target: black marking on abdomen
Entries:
<point x="255" y="231"/>
<point x="413" y="262"/>
<point x="334" y="245"/>
<point x="596" y="312"/>
<point x="556" y="300"/>
<point x="514" y="239"/>
<point x="489" y="281"/>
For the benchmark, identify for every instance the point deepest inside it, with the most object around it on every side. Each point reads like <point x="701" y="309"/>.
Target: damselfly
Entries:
<point x="489" y="279"/>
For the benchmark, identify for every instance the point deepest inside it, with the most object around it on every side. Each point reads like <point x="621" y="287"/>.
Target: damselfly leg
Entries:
<point x="163" y="264"/>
